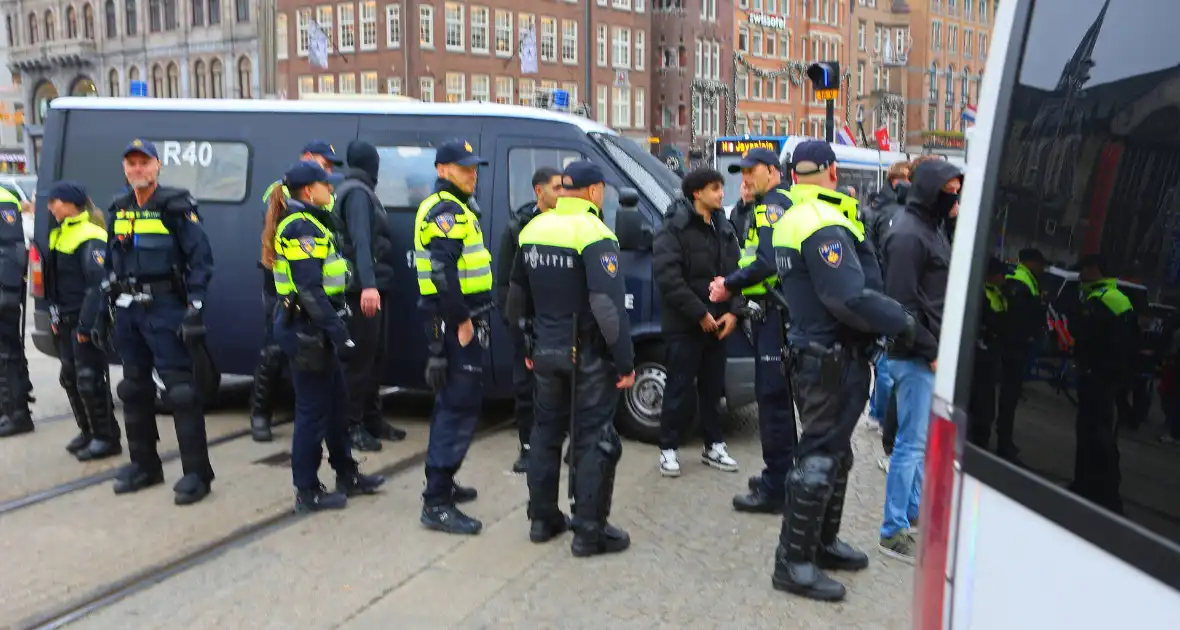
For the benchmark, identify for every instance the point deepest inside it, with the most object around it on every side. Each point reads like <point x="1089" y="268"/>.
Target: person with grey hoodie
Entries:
<point x="368" y="246"/>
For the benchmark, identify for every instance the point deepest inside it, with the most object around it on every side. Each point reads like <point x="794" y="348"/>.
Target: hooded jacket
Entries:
<point x="687" y="255"/>
<point x="917" y="254"/>
<point x="509" y="243"/>
<point x="881" y="212"/>
<point x="368" y="240"/>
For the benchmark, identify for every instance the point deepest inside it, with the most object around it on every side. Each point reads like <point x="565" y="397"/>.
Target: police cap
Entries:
<point x="753" y="158"/>
<point x="1031" y="254"/>
<point x="996" y="267"/>
<point x="69" y="192"/>
<point x="458" y="152"/>
<point x="324" y="150"/>
<point x="812" y="157"/>
<point x="581" y="174"/>
<point x="142" y="147"/>
<point x="306" y="173"/>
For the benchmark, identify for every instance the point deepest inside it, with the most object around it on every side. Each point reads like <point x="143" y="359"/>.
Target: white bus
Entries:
<point x="1076" y="152"/>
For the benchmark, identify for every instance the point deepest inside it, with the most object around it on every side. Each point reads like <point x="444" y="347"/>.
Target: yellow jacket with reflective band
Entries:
<point x="573" y="224"/>
<point x="324" y="248"/>
<point x="287" y="194"/>
<point x="996" y="300"/>
<point x="808" y="214"/>
<point x="73" y="232"/>
<point x="475" y="263"/>
<point x="750" y="247"/>
<point x="1025" y="277"/>
<point x="1107" y="291"/>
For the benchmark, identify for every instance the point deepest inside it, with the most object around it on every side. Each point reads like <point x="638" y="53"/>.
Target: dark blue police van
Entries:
<point x="226" y="152"/>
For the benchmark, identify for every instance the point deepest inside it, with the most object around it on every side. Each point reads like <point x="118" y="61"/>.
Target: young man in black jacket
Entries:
<point x="695" y="244"/>
<point x="368" y="246"/>
<point x="546" y="186"/>
<point x="917" y="256"/>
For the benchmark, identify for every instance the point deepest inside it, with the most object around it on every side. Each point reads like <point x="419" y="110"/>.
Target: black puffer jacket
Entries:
<point x="881" y="213"/>
<point x="509" y="244"/>
<point x="368" y="240"/>
<point x="688" y="253"/>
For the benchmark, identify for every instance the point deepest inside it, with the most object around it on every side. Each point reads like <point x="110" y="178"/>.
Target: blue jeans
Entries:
<point x="882" y="386"/>
<point x="914" y="382"/>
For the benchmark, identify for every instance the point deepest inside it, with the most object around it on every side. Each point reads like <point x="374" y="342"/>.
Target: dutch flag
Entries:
<point x="844" y="136"/>
<point x="969" y="114"/>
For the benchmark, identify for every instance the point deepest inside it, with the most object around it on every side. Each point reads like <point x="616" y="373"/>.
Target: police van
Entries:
<point x="1076" y="152"/>
<point x="227" y="152"/>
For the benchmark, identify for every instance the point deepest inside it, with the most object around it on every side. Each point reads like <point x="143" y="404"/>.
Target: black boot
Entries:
<point x="758" y="501"/>
<point x="190" y="489"/>
<point x="14" y="403"/>
<point x="78" y="443"/>
<point x="362" y="440"/>
<point x="262" y="395"/>
<point x="542" y="530"/>
<point x="382" y="430"/>
<point x="95" y="392"/>
<point x="834" y="554"/>
<point x="522" y="463"/>
<point x="795" y="570"/>
<point x="319" y="499"/>
<point x="592" y="539"/>
<point x="352" y="482"/>
<point x="79" y="410"/>
<point x="133" y="478"/>
<point x="463" y="494"/>
<point x="449" y="519"/>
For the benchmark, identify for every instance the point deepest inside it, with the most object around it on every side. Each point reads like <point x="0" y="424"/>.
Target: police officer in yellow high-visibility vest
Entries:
<point x="836" y="319"/>
<point x="454" y="270"/>
<point x="1105" y="334"/>
<point x="1026" y="327"/>
<point x="754" y="277"/>
<point x="310" y="276"/>
<point x="993" y="322"/>
<point x="15" y="388"/>
<point x="567" y="290"/>
<point x="73" y="286"/>
<point x="270" y="358"/>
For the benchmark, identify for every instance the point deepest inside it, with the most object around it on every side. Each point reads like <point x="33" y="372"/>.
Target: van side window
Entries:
<point x="406" y="176"/>
<point x="524" y="161"/>
<point x="1086" y="390"/>
<point x="211" y="171"/>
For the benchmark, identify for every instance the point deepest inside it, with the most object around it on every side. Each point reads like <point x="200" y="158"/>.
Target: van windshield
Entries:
<point x="651" y="175"/>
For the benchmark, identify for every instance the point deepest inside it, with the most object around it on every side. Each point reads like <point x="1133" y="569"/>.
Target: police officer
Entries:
<point x="310" y="278"/>
<point x="837" y="314"/>
<point x="15" y="388"/>
<point x="455" y="281"/>
<point x="755" y="278"/>
<point x="546" y="186"/>
<point x="987" y="356"/>
<point x="160" y="265"/>
<point x="270" y="358"/>
<point x="75" y="273"/>
<point x="567" y="288"/>
<point x="1026" y="324"/>
<point x="1103" y="334"/>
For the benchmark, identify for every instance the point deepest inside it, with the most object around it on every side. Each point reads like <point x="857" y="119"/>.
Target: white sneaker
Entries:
<point x="718" y="457"/>
<point x="669" y="463"/>
<point x="883" y="463"/>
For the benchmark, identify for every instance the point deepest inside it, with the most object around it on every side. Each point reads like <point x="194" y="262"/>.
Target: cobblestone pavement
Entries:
<point x="694" y="563"/>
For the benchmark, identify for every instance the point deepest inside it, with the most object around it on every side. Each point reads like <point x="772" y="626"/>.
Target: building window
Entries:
<point x="527" y="93"/>
<point x="527" y="22"/>
<point x="504" y="90"/>
<point x="426" y="89"/>
<point x="640" y="49"/>
<point x="87" y="21"/>
<point x="601" y="41"/>
<point x="173" y="81"/>
<point x="936" y="35"/>
<point x="601" y="105"/>
<point x="113" y="83"/>
<point x="216" y="79"/>
<point x="480" y="16"/>
<point x="547" y="48"/>
<point x="569" y="41"/>
<point x="453" y="16"/>
<point x="302" y="31"/>
<point x="481" y="88"/>
<point x="132" y="76"/>
<point x="245" y="81"/>
<point x="213" y="9"/>
<point x="743" y="86"/>
<point x="369" y="26"/>
<point x="154" y="17"/>
<point x="131" y="18"/>
<point x="346" y="28"/>
<point x="242" y="10"/>
<point x="109" y="17"/>
<point x="621" y="101"/>
<point x="393" y="85"/>
<point x="640" y="109"/>
<point x="323" y="19"/>
<point x="281" y="35"/>
<point x="621" y="4"/>
<point x="197" y="9"/>
<point x="456" y="87"/>
<point x="426" y="30"/>
<point x="348" y="83"/>
<point x="171" y="23"/>
<point x="327" y="84"/>
<point x="572" y="88"/>
<point x="71" y="23"/>
<point x="157" y="81"/>
<point x="621" y="44"/>
<point x="50" y="26"/>
<point x="306" y="85"/>
<point x="503" y="33"/>
<point x="199" y="80"/>
<point x="393" y="25"/>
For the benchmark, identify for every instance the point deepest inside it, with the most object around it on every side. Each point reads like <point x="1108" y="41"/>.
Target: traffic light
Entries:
<point x="825" y="78"/>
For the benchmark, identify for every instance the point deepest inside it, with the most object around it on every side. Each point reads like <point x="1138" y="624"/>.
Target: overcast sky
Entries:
<point x="1137" y="37"/>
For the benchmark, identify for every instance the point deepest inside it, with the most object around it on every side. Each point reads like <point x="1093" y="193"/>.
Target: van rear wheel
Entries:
<point x="639" y="407"/>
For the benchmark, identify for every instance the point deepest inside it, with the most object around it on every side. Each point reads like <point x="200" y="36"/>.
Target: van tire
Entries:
<point x="209" y="396"/>
<point x="638" y="416"/>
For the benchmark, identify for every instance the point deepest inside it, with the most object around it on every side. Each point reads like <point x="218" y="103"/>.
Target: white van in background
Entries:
<point x="1076" y="151"/>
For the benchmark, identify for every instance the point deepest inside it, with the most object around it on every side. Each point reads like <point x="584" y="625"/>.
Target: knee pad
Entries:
<point x="88" y="381"/>
<point x="135" y="389"/>
<point x="180" y="395"/>
<point x="610" y="444"/>
<point x="814" y="474"/>
<point x="270" y="354"/>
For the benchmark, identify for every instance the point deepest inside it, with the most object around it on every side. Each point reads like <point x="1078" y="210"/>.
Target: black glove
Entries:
<point x="436" y="373"/>
<point x="192" y="329"/>
<point x="345" y="351"/>
<point x="905" y="340"/>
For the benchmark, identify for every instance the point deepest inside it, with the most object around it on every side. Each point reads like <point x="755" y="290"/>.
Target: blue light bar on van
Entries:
<point x="561" y="99"/>
<point x="138" y="88"/>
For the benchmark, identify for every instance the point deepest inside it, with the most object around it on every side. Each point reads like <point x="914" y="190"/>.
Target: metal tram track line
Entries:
<point x="118" y="590"/>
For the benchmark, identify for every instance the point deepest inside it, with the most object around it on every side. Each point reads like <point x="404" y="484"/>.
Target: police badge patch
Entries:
<point x="773" y="214"/>
<point x="9" y="216"/>
<point x="610" y="262"/>
<point x="445" y="222"/>
<point x="832" y="252"/>
<point x="192" y="216"/>
<point x="307" y="244"/>
<point x="98" y="257"/>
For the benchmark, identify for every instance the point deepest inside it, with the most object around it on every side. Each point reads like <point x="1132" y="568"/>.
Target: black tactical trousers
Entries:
<point x="1096" y="473"/>
<point x="1013" y="365"/>
<point x="365" y="368"/>
<point x="982" y="405"/>
<point x="583" y="400"/>
<point x="85" y="378"/>
<point x="14" y="369"/>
